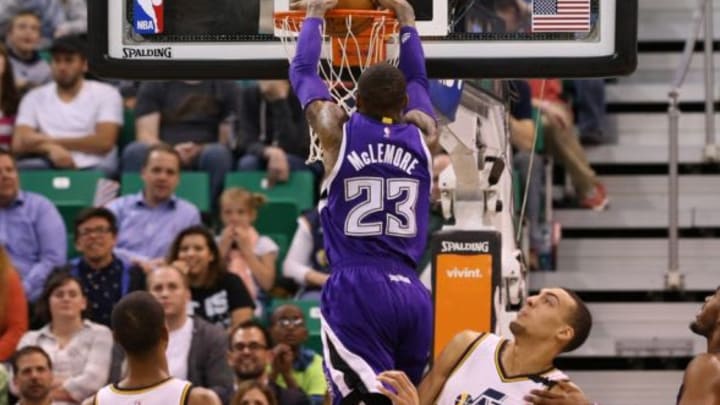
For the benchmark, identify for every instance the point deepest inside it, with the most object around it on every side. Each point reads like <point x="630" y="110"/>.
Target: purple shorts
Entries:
<point x="373" y="319"/>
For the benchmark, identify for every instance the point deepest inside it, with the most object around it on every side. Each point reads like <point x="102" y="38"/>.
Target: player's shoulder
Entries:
<point x="463" y="341"/>
<point x="89" y="401"/>
<point x="202" y="396"/>
<point x="706" y="364"/>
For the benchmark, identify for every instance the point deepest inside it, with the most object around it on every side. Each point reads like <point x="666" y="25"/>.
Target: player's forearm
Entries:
<point x="412" y="65"/>
<point x="304" y="78"/>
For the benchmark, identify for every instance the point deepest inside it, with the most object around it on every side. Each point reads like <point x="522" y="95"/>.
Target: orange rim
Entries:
<point x="296" y="16"/>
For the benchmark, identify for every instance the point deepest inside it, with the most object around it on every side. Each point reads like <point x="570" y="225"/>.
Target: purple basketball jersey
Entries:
<point x="377" y="195"/>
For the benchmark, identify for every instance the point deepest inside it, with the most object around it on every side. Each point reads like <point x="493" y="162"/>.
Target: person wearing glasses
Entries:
<point x="251" y="357"/>
<point x="104" y="277"/>
<point x="296" y="365"/>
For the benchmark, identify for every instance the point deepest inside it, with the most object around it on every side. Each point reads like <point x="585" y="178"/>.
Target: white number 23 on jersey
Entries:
<point x="400" y="221"/>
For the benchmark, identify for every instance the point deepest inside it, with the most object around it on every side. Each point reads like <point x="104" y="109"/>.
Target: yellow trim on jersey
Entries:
<point x="123" y="391"/>
<point x="186" y="391"/>
<point x="501" y="372"/>
<point x="468" y="352"/>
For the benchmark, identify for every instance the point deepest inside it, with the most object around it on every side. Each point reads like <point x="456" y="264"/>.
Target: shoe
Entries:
<point x="593" y="138"/>
<point x="597" y="199"/>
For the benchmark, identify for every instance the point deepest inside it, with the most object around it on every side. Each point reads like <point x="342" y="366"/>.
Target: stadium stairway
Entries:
<point x="617" y="259"/>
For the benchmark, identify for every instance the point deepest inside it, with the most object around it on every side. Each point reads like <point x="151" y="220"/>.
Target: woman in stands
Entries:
<point x="248" y="254"/>
<point x="9" y="100"/>
<point x="80" y="350"/>
<point x="13" y="324"/>
<point x="218" y="296"/>
<point x="252" y="392"/>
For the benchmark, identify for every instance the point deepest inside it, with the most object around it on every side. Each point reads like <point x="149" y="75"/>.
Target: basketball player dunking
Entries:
<point x="476" y="368"/>
<point x="138" y="324"/>
<point x="376" y="314"/>
<point x="701" y="384"/>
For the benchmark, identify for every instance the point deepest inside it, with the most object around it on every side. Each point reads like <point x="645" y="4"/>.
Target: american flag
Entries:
<point x="561" y="16"/>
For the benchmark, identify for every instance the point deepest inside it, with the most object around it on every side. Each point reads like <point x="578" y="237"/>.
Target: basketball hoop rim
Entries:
<point x="297" y="16"/>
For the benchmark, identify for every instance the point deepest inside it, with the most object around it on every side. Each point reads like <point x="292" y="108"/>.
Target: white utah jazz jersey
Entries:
<point x="479" y="379"/>
<point x="172" y="391"/>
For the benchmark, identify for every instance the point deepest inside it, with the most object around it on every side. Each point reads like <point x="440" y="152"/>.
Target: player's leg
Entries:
<point x="365" y="319"/>
<point x="413" y="351"/>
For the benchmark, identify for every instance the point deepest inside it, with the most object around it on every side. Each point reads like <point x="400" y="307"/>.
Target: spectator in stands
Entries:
<point x="529" y="166"/>
<point x="563" y="143"/>
<point x="33" y="376"/>
<point x="218" y="296"/>
<point x="248" y="254"/>
<point x="250" y="357"/>
<point x="149" y="220"/>
<point x="295" y="365"/>
<point x="75" y="21"/>
<point x="9" y="99"/>
<point x="192" y="116"/>
<point x="13" y="308"/>
<point x="80" y="349"/>
<point x="440" y="162"/>
<point x="72" y="122"/>
<point x="306" y="262"/>
<point x="23" y="40"/>
<point x="272" y="131"/>
<point x="4" y="378"/>
<point x="105" y="278"/>
<point x="31" y="230"/>
<point x="253" y="393"/>
<point x="588" y="103"/>
<point x="51" y="13"/>
<point x="196" y="348"/>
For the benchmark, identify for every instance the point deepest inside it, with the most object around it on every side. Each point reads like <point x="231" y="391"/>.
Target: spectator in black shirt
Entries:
<point x="104" y="277"/>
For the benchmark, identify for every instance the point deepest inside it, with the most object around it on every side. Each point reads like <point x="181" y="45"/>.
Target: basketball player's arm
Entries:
<point x="702" y="381"/>
<point x="203" y="396"/>
<point x="434" y="381"/>
<point x="419" y="110"/>
<point x="323" y="114"/>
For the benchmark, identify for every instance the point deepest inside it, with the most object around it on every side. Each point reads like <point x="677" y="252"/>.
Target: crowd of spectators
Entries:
<point x="213" y="272"/>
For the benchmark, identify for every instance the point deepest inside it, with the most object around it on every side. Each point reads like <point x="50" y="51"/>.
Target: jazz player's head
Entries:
<point x="708" y="317"/>
<point x="557" y="316"/>
<point x="138" y="325"/>
<point x="381" y="92"/>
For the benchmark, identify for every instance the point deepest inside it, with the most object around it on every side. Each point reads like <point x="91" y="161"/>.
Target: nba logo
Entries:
<point x="148" y="17"/>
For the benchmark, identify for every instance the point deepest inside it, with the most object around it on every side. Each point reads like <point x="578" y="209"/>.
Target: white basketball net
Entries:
<point x="353" y="53"/>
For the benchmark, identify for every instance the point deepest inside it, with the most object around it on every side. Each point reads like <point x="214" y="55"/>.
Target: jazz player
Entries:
<point x="701" y="383"/>
<point x="376" y="314"/>
<point x="138" y="324"/>
<point x="476" y="368"/>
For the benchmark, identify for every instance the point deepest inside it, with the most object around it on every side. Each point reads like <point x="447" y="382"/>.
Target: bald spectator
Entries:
<point x="196" y="349"/>
<point x="71" y="123"/>
<point x="294" y="365"/>
<point x="31" y="230"/>
<point x="149" y="220"/>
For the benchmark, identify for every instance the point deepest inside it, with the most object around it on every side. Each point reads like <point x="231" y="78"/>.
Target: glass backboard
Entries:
<point x="236" y="39"/>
